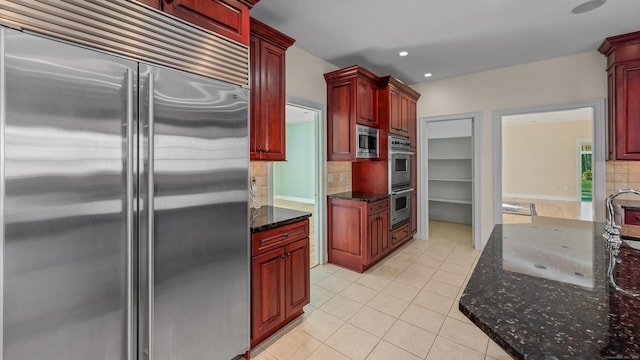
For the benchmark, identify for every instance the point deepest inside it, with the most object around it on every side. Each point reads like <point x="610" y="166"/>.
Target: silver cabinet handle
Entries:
<point x="129" y="201"/>
<point x="150" y="213"/>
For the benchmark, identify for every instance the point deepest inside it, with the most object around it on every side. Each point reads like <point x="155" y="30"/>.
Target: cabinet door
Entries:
<point x="404" y="115"/>
<point x="413" y="124"/>
<point x="395" y="123"/>
<point x="255" y="142"/>
<point x="340" y="120"/>
<point x="272" y="101"/>
<point x="267" y="291"/>
<point x="374" y="242"/>
<point x="153" y="3"/>
<point x="229" y="18"/>
<point x="367" y="113"/>
<point x="632" y="217"/>
<point x="384" y="231"/>
<point x="413" y="220"/>
<point x="297" y="280"/>
<point x="627" y="111"/>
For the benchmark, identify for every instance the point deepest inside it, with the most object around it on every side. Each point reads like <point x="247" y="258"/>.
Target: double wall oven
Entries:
<point x="400" y="180"/>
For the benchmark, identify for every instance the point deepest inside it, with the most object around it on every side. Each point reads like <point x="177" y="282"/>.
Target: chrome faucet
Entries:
<point x="612" y="235"/>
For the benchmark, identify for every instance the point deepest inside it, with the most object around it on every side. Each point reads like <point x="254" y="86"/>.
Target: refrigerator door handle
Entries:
<point x="150" y="219"/>
<point x="130" y="281"/>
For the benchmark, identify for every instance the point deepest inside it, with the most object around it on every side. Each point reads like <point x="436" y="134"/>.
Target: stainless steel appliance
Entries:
<point x="124" y="217"/>
<point x="399" y="162"/>
<point x="400" y="179"/>
<point x="400" y="207"/>
<point x="367" y="142"/>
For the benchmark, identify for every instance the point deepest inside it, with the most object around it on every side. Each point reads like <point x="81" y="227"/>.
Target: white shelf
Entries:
<point x="450" y="171"/>
<point x="451" y="201"/>
<point x="450" y="157"/>
<point x="450" y="179"/>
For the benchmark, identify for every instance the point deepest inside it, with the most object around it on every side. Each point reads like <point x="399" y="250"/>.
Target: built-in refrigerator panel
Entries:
<point x="194" y="154"/>
<point x="65" y="220"/>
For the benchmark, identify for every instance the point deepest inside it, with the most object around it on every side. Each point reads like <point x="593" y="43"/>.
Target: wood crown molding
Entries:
<point x="263" y="30"/>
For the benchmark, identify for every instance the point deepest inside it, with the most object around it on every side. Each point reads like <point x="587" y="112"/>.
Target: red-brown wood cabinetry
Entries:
<point x="268" y="97"/>
<point x="280" y="279"/>
<point x="358" y="232"/>
<point x="398" y="107"/>
<point x="153" y="3"/>
<point x="623" y="71"/>
<point x="632" y="217"/>
<point x="352" y="98"/>
<point x="229" y="18"/>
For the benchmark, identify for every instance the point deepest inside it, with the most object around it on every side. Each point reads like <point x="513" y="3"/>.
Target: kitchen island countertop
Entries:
<point x="540" y="291"/>
<point x="269" y="217"/>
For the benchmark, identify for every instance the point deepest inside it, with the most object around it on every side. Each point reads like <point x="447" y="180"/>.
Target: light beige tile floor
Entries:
<point x="404" y="308"/>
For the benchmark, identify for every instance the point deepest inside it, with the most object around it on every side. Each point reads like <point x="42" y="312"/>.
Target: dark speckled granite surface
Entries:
<point x="359" y="196"/>
<point x="540" y="291"/>
<point x="268" y="217"/>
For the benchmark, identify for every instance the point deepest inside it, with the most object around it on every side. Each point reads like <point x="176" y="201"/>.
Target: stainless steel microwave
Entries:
<point x="367" y="143"/>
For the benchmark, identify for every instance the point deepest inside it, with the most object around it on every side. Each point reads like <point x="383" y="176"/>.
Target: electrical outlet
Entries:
<point x="253" y="188"/>
<point x="330" y="178"/>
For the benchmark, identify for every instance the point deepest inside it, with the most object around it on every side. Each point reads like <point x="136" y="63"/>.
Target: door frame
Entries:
<point x="598" y="149"/>
<point x="320" y="151"/>
<point x="579" y="143"/>
<point x="423" y="173"/>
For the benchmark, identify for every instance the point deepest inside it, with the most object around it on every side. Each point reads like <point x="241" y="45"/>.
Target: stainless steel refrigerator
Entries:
<point x="123" y="206"/>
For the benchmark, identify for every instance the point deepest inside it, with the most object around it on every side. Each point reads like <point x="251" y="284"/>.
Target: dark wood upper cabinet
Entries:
<point x="268" y="95"/>
<point x="623" y="72"/>
<point x="352" y="98"/>
<point x="229" y="18"/>
<point x="398" y="107"/>
<point x="153" y="3"/>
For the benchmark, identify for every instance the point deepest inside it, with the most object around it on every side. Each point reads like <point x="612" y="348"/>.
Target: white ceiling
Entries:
<point x="445" y="37"/>
<point x="580" y="114"/>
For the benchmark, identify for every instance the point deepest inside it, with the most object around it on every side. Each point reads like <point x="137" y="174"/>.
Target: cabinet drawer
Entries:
<point x="400" y="234"/>
<point x="632" y="217"/>
<point x="378" y="206"/>
<point x="276" y="237"/>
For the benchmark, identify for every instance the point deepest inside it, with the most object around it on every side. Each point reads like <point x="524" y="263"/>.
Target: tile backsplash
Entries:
<point x="623" y="175"/>
<point x="259" y="170"/>
<point x="338" y="176"/>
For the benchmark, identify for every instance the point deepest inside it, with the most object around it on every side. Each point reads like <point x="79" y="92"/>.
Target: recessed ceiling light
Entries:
<point x="588" y="6"/>
<point x="403" y="53"/>
<point x="428" y="75"/>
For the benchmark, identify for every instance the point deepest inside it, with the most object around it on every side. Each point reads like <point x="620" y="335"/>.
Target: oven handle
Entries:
<point x="402" y="191"/>
<point x="395" y="152"/>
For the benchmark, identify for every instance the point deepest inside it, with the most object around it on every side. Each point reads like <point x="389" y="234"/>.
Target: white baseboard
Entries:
<point x="542" y="197"/>
<point x="293" y="198"/>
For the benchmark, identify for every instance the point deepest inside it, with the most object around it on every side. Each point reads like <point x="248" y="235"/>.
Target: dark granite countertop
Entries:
<point x="268" y="217"/>
<point x="359" y="196"/>
<point x="541" y="292"/>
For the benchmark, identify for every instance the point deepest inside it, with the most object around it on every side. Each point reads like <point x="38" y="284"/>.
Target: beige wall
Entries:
<point x="305" y="78"/>
<point x="562" y="80"/>
<point x="540" y="160"/>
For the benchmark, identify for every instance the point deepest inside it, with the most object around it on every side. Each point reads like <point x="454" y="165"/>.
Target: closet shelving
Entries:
<point x="450" y="173"/>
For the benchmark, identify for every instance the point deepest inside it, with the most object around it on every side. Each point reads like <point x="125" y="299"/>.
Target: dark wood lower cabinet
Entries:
<point x="280" y="278"/>
<point x="358" y="233"/>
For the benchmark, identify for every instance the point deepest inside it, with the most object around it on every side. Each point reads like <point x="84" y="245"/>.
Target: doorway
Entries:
<point x="295" y="183"/>
<point x="549" y="162"/>
<point x="449" y="190"/>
